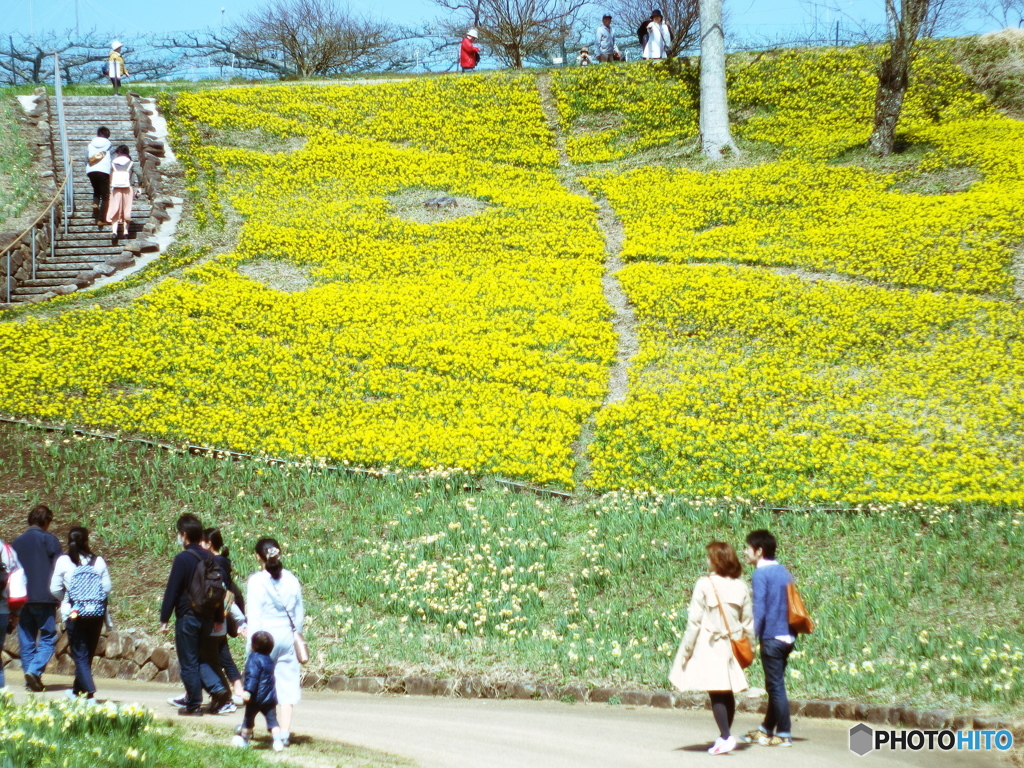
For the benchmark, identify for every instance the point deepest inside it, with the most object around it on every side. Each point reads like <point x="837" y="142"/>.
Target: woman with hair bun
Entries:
<point x="81" y="582"/>
<point x="274" y="604"/>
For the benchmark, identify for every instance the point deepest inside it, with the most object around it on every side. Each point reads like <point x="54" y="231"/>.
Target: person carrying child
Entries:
<point x="260" y="695"/>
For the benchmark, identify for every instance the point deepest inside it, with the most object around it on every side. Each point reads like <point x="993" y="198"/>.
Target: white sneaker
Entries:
<point x="69" y="694"/>
<point x="278" y="745"/>
<point x="723" y="745"/>
<point x="239" y="741"/>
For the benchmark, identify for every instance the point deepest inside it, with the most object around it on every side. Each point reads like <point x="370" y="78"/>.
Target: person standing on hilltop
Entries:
<point x="606" y="49"/>
<point x="656" y="37"/>
<point x="469" y="54"/>
<point x="115" y="66"/>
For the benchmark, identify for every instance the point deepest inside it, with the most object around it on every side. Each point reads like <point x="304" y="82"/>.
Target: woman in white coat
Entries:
<point x="659" y="37"/>
<point x="705" y="661"/>
<point x="273" y="604"/>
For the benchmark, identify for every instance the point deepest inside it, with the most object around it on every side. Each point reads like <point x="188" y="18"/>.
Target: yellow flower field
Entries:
<point x="481" y="342"/>
<point x="767" y="387"/>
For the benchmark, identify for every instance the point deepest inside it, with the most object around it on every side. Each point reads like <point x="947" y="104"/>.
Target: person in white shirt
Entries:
<point x="273" y="603"/>
<point x="659" y="37"/>
<point x="81" y="582"/>
<point x="9" y="558"/>
<point x="605" y="47"/>
<point x="583" y="59"/>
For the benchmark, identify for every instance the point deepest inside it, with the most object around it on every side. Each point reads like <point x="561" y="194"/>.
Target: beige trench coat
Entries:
<point x="704" y="661"/>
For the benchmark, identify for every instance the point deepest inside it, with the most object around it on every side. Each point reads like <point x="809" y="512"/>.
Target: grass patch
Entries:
<point x="594" y="590"/>
<point x="17" y="182"/>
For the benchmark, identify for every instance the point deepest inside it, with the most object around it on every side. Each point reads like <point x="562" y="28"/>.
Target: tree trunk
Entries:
<point x="893" y="77"/>
<point x="714" y="102"/>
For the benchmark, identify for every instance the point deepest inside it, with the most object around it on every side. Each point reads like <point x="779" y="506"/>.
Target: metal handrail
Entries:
<point x="65" y="189"/>
<point x="69" y="189"/>
<point x="31" y="229"/>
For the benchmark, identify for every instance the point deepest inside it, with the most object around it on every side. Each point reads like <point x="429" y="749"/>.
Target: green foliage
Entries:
<point x="74" y="734"/>
<point x="17" y="184"/>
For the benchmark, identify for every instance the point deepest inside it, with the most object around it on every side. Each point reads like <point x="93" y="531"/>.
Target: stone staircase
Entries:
<point x="86" y="248"/>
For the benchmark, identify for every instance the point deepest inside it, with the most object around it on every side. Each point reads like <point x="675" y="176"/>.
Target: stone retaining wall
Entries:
<point x="119" y="655"/>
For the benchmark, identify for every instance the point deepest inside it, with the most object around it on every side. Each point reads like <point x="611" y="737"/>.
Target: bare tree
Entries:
<point x="82" y="58"/>
<point x="682" y="17"/>
<point x="714" y="102"/>
<point x="301" y="38"/>
<point x="1009" y="13"/>
<point x="515" y="30"/>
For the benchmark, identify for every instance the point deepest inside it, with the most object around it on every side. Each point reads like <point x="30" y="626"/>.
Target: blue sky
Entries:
<point x="750" y="18"/>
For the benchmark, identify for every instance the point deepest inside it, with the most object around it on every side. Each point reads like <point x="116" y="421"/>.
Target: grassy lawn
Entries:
<point x="429" y="575"/>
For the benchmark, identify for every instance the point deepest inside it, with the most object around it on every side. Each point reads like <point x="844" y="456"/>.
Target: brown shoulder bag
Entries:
<point x="799" y="620"/>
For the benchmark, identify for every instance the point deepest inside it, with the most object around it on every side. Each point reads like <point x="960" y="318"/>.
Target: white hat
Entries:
<point x="115" y="45"/>
<point x="472" y="32"/>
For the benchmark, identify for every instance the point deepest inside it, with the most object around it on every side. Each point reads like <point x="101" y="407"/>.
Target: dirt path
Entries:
<point x="624" y="320"/>
<point x="473" y="733"/>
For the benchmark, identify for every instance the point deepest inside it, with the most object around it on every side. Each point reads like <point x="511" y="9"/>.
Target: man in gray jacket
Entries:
<point x="605" y="46"/>
<point x="97" y="159"/>
<point x="38" y="550"/>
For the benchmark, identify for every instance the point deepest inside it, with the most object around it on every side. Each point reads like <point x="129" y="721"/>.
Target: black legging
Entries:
<point x="100" y="192"/>
<point x="723" y="707"/>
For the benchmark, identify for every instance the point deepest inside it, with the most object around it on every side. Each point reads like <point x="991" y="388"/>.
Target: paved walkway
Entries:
<point x="477" y="733"/>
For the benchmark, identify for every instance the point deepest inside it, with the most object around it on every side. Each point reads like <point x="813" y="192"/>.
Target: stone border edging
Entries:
<point x="130" y="655"/>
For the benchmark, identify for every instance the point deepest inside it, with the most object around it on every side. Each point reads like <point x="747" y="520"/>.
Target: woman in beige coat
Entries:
<point x="704" y="661"/>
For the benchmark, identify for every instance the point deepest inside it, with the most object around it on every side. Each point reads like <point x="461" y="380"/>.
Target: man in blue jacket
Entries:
<point x="776" y="638"/>
<point x="38" y="550"/>
<point x="189" y="629"/>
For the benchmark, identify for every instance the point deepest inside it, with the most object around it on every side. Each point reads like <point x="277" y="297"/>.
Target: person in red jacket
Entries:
<point x="469" y="54"/>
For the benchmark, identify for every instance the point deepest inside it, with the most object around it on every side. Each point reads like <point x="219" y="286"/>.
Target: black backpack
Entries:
<point x="641" y="32"/>
<point x="206" y="589"/>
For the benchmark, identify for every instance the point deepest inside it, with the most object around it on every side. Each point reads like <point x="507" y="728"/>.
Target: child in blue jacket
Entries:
<point x="260" y="694"/>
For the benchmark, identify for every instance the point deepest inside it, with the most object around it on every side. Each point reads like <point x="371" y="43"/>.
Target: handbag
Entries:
<point x="742" y="651"/>
<point x="799" y="619"/>
<point x="301" y="646"/>
<point x="17" y="585"/>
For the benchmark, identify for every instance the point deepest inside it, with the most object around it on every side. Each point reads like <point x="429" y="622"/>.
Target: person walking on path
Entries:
<point x="771" y="627"/>
<point x="10" y="562"/>
<point x="190" y="629"/>
<point x="218" y="651"/>
<point x="81" y="582"/>
<point x="97" y="158"/>
<point x="37" y="550"/>
<point x="260" y="694"/>
<point x="273" y="602"/>
<point x="115" y="66"/>
<point x="720" y="611"/>
<point x="469" y="54"/>
<point x="122" y="194"/>
<point x="658" y="37"/>
<point x="605" y="47"/>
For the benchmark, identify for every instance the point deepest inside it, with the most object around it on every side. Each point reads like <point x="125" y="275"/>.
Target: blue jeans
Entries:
<point x="83" y="635"/>
<point x="37" y="636"/>
<point x="196" y="673"/>
<point x="3" y="635"/>
<point x="774" y="656"/>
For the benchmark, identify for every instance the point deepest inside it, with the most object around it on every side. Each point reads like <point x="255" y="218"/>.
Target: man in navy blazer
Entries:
<point x="38" y="550"/>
